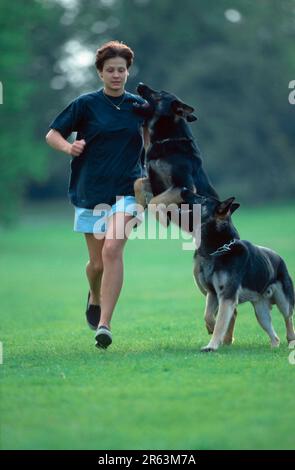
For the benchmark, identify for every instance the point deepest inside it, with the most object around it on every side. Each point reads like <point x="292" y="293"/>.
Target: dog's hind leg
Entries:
<point x="164" y="203"/>
<point x="210" y="311"/>
<point x="286" y="310"/>
<point x="262" y="312"/>
<point x="172" y="195"/>
<point x="143" y="191"/>
<point x="290" y="329"/>
<point x="229" y="337"/>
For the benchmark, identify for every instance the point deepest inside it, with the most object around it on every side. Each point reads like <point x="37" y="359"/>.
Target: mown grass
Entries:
<point x="152" y="389"/>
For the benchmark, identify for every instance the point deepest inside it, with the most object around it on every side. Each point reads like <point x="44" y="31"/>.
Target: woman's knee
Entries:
<point x="95" y="265"/>
<point x="112" y="251"/>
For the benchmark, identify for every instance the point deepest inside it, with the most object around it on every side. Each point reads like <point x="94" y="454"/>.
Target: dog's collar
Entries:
<point x="177" y="139"/>
<point x="224" y="249"/>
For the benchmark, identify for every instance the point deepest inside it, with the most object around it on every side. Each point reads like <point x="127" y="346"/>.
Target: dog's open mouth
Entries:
<point x="143" y="90"/>
<point x="146" y="109"/>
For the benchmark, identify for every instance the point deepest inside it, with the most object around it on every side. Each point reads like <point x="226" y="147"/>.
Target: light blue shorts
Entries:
<point x="96" y="220"/>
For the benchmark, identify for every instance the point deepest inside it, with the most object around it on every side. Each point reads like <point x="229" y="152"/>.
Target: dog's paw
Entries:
<point x="207" y="349"/>
<point x="275" y="343"/>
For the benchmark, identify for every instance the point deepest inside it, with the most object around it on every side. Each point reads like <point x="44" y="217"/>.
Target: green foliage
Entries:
<point x="235" y="74"/>
<point x="28" y="37"/>
<point x="21" y="152"/>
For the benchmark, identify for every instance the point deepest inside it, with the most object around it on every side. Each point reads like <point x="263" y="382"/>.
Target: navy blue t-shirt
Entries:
<point x="111" y="160"/>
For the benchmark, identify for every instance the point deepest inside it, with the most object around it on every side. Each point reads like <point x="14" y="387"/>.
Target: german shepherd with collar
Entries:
<point x="173" y="158"/>
<point x="231" y="271"/>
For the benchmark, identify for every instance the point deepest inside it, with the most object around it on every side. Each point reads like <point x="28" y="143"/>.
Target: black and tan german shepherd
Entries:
<point x="173" y="158"/>
<point x="231" y="271"/>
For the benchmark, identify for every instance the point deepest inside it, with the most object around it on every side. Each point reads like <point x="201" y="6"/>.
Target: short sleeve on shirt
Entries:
<point x="69" y="120"/>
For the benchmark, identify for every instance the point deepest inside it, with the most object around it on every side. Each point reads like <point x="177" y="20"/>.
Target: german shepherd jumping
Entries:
<point x="173" y="159"/>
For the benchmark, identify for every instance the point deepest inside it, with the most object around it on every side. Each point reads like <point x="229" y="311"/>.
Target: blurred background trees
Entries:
<point x="232" y="61"/>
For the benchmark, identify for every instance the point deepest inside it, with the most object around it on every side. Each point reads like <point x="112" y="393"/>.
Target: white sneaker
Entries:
<point x="103" y="337"/>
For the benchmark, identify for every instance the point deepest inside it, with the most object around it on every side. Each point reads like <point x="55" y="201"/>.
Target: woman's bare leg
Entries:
<point x="112" y="257"/>
<point x="94" y="267"/>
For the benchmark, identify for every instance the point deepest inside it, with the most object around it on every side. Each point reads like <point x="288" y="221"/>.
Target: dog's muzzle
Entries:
<point x="145" y="110"/>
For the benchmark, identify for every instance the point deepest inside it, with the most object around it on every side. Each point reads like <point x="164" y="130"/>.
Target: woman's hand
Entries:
<point x="56" y="141"/>
<point x="77" y="147"/>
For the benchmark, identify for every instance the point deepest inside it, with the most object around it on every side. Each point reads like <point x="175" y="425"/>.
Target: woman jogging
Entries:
<point x="105" y="163"/>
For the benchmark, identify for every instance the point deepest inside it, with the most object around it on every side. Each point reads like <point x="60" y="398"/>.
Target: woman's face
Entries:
<point x="114" y="74"/>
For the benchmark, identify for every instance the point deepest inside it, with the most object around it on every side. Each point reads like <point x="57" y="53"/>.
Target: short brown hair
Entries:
<point x="112" y="49"/>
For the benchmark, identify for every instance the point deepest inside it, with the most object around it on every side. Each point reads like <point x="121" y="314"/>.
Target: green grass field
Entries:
<point x="152" y="389"/>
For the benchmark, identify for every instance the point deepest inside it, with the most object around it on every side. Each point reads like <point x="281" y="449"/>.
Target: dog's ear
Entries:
<point x="224" y="208"/>
<point x="234" y="207"/>
<point x="183" y="110"/>
<point x="191" y="118"/>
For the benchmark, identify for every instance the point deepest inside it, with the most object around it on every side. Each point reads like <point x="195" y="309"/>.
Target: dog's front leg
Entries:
<point x="143" y="191"/>
<point x="210" y="311"/>
<point x="224" y="315"/>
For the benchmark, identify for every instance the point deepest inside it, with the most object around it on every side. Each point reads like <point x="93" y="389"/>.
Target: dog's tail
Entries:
<point x="287" y="284"/>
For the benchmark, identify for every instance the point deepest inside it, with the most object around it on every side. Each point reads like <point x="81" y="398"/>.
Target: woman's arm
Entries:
<point x="56" y="141"/>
